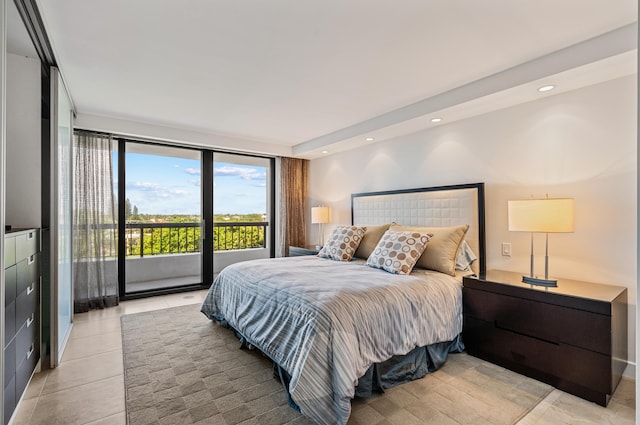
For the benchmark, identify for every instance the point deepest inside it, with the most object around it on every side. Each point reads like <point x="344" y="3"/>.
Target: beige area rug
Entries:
<point x="181" y="368"/>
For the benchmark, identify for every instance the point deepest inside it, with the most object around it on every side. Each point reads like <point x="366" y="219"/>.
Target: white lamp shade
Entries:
<point x="541" y="215"/>
<point x="320" y="215"/>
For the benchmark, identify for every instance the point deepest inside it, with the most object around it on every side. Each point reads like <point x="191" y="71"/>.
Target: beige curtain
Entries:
<point x="292" y="205"/>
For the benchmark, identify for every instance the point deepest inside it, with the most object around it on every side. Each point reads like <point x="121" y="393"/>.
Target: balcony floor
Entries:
<point x="150" y="285"/>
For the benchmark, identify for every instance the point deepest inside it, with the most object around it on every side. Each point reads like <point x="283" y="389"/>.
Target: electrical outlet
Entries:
<point x="506" y="249"/>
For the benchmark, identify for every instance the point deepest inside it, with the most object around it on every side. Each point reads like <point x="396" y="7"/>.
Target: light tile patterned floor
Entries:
<point x="88" y="387"/>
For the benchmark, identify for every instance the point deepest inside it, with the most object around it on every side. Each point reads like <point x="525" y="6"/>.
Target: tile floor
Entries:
<point x="88" y="387"/>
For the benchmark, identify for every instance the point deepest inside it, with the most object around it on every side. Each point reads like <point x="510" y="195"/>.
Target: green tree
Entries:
<point x="127" y="208"/>
<point x="164" y="240"/>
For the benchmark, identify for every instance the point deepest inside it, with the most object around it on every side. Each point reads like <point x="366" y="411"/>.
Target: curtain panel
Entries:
<point x="95" y="269"/>
<point x="293" y="194"/>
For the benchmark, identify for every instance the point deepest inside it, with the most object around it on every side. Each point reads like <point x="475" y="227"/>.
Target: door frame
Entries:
<point x="206" y="234"/>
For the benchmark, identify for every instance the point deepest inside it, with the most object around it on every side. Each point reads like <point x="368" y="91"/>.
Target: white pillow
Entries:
<point x="465" y="257"/>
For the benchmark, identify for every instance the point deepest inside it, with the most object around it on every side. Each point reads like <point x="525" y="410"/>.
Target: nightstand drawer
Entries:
<point x="547" y="322"/>
<point x="556" y="364"/>
<point x="572" y="336"/>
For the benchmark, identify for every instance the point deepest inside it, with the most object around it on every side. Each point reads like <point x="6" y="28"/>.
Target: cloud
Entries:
<point x="192" y="171"/>
<point x="244" y="173"/>
<point x="156" y="189"/>
<point x="146" y="186"/>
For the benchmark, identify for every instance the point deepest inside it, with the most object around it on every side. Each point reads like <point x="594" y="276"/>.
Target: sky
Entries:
<point x="170" y="185"/>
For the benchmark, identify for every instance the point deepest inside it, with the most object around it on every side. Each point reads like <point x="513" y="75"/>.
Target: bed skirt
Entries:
<point x="397" y="370"/>
<point x="380" y="376"/>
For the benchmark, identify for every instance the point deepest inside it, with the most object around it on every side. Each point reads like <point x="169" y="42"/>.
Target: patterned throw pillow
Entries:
<point x="443" y="247"/>
<point x="342" y="243"/>
<point x="397" y="252"/>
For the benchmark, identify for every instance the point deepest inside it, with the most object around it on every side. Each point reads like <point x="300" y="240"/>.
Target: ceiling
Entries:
<point x="18" y="40"/>
<point x="324" y="75"/>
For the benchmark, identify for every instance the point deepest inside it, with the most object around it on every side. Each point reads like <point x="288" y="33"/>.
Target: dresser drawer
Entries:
<point x="27" y="341"/>
<point x="555" y="364"/>
<point x="9" y="251"/>
<point x="10" y="284"/>
<point x="10" y="398"/>
<point x="540" y="320"/>
<point x="25" y="370"/>
<point x="27" y="311"/>
<point x="9" y="361"/>
<point x="9" y="322"/>
<point x="28" y="273"/>
<point x="27" y="244"/>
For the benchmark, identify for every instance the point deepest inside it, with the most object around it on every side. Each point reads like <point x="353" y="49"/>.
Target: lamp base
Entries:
<point x="540" y="282"/>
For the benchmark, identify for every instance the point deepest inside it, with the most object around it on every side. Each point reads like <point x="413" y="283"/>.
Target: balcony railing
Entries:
<point x="181" y="238"/>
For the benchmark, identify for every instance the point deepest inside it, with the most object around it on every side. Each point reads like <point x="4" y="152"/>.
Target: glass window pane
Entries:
<point x="241" y="188"/>
<point x="163" y="217"/>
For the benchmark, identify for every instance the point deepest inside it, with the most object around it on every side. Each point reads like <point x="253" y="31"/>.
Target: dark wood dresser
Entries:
<point x="573" y="336"/>
<point x="296" y="251"/>
<point x="22" y="313"/>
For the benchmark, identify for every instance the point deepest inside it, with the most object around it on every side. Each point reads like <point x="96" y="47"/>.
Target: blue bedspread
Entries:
<point x="326" y="322"/>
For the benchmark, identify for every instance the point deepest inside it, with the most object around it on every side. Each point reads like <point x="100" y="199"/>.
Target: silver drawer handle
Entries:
<point x="31" y="350"/>
<point x="31" y="259"/>
<point x="31" y="288"/>
<point x="30" y="319"/>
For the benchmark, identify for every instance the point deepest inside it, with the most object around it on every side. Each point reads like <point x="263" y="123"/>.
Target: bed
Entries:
<point x="339" y="329"/>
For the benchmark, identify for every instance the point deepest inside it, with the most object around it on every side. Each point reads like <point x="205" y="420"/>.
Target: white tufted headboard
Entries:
<point x="440" y="206"/>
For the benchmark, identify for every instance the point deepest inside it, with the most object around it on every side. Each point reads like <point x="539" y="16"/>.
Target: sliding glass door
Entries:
<point x="242" y="208"/>
<point x="185" y="214"/>
<point x="61" y="217"/>
<point x="162" y="212"/>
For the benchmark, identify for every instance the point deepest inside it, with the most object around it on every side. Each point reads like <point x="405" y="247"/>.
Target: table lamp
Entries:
<point x="541" y="216"/>
<point x="320" y="215"/>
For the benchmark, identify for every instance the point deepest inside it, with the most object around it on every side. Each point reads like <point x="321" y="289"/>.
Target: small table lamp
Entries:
<point x="541" y="216"/>
<point x="320" y="215"/>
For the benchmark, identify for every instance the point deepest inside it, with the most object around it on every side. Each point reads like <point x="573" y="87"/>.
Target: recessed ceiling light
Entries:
<point x="436" y="119"/>
<point x="546" y="88"/>
<point x="325" y="151"/>
<point x="369" y="139"/>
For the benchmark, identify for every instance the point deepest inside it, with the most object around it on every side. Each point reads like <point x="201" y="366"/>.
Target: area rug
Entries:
<point x="181" y="368"/>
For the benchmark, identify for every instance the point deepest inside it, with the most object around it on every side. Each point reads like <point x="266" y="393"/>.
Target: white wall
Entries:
<point x="580" y="144"/>
<point x="23" y="170"/>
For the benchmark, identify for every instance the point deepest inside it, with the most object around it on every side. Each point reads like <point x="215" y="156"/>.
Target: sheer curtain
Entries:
<point x="292" y="201"/>
<point x="95" y="269"/>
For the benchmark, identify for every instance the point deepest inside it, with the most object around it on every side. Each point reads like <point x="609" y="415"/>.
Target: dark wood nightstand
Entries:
<point x="296" y="251"/>
<point x="573" y="337"/>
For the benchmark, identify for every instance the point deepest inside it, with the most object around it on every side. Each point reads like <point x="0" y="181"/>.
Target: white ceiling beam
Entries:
<point x="597" y="48"/>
